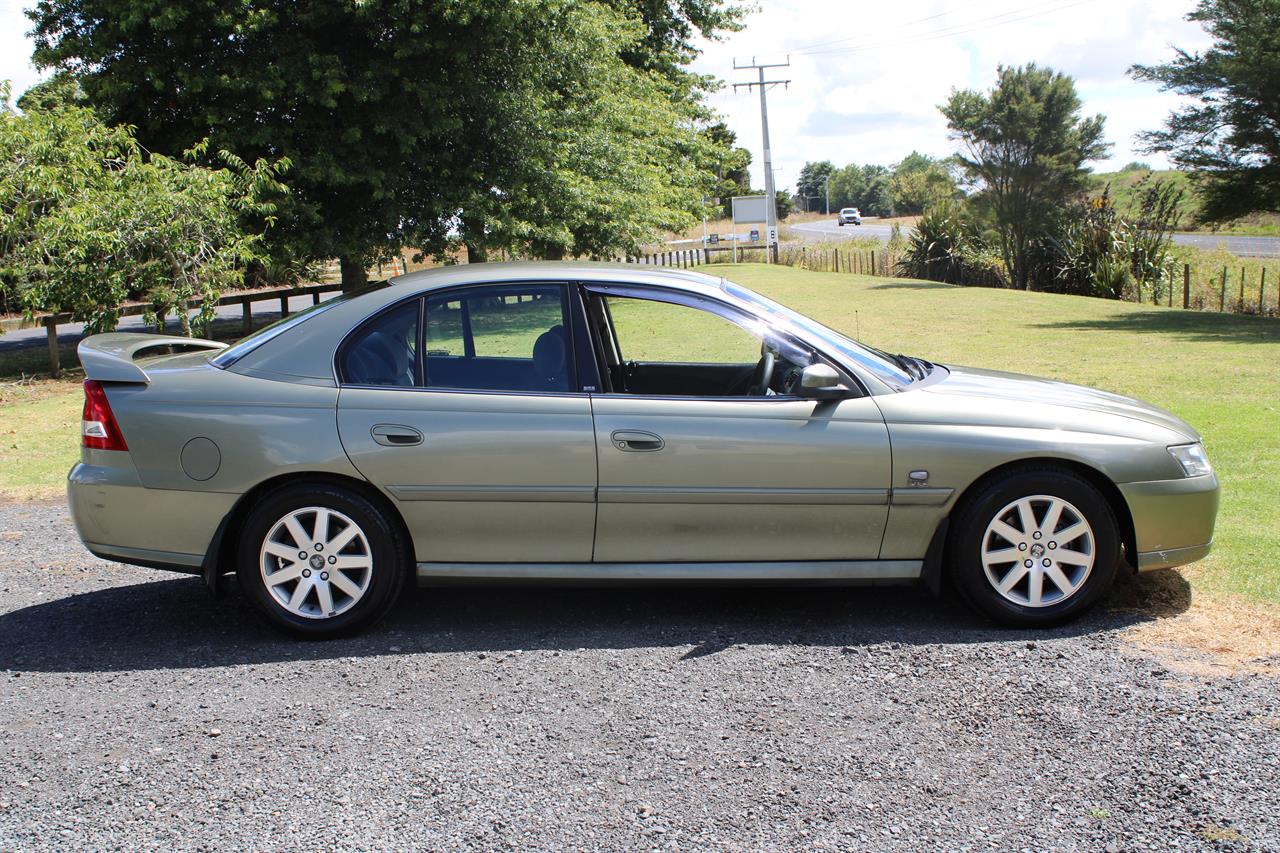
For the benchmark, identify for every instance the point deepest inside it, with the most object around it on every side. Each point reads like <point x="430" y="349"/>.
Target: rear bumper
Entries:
<point x="119" y="519"/>
<point x="1173" y="520"/>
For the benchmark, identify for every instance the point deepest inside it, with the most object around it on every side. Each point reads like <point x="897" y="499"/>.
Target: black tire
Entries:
<point x="383" y="543"/>
<point x="983" y="508"/>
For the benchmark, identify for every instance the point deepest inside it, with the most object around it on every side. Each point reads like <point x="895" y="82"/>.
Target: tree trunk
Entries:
<point x="353" y="275"/>
<point x="549" y="251"/>
<point x="473" y="239"/>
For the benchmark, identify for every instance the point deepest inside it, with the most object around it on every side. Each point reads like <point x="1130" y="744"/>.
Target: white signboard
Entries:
<point x="750" y="209"/>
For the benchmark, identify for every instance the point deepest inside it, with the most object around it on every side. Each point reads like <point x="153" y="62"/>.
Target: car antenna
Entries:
<point x="857" y="330"/>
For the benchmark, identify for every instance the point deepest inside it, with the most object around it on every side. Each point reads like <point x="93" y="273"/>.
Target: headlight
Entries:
<point x="1192" y="458"/>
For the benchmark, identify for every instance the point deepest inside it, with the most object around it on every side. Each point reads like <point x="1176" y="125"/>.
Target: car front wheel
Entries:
<point x="320" y="560"/>
<point x="1035" y="548"/>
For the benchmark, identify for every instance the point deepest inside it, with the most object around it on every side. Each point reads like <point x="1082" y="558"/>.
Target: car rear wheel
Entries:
<point x="320" y="560"/>
<point x="1035" y="548"/>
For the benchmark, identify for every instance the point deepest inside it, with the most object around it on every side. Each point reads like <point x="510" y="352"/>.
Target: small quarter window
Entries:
<point x="385" y="350"/>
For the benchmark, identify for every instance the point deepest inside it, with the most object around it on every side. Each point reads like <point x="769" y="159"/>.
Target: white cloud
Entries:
<point x="15" y="47"/>
<point x="869" y="91"/>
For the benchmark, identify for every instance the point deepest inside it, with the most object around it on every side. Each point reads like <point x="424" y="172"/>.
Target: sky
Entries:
<point x="867" y="78"/>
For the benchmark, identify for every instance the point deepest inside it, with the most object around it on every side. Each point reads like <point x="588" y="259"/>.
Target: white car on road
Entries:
<point x="849" y="215"/>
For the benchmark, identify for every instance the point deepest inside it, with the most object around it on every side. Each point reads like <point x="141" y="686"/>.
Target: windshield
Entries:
<point x="248" y="344"/>
<point x="881" y="365"/>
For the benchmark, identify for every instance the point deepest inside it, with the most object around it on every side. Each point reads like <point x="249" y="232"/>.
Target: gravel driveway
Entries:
<point x="137" y="713"/>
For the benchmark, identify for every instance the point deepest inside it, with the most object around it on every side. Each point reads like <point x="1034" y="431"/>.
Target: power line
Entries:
<point x="942" y="14"/>
<point x="952" y="30"/>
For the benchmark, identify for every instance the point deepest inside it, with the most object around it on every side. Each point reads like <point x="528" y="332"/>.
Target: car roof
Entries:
<point x="492" y="273"/>
<point x="304" y="353"/>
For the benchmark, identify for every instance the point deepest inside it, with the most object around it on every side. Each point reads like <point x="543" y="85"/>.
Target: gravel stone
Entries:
<point x="138" y="713"/>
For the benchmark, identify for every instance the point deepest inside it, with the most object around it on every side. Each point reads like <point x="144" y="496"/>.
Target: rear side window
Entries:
<point x="385" y="350"/>
<point x="510" y="337"/>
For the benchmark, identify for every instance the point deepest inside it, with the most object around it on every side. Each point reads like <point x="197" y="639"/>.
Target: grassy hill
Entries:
<point x="1125" y="192"/>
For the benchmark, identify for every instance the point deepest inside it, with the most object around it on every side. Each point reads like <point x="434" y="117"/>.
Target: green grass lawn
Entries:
<point x="1220" y="372"/>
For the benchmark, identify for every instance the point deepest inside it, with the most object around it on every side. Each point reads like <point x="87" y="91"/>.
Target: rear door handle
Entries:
<point x="634" y="440"/>
<point x="395" y="435"/>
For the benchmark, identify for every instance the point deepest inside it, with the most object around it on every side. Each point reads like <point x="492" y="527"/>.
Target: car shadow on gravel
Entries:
<point x="173" y="624"/>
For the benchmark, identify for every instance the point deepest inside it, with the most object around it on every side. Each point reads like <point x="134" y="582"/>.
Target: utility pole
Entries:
<point x="826" y="187"/>
<point x="771" y="209"/>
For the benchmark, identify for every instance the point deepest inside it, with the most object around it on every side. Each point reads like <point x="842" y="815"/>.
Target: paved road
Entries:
<point x="1262" y="247"/>
<point x="135" y="713"/>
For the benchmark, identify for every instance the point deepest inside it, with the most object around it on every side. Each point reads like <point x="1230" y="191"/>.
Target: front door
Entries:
<point x="474" y="425"/>
<point x="704" y="456"/>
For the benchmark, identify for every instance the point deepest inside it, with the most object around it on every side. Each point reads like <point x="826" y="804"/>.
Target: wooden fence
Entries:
<point x="1252" y="288"/>
<point x="245" y="299"/>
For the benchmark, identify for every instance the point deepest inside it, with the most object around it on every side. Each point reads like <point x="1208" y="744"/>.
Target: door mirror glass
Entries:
<point x="821" y="382"/>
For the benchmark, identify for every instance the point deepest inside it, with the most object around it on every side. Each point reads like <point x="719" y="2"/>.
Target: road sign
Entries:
<point x="748" y="209"/>
<point x="713" y="239"/>
<point x="755" y="235"/>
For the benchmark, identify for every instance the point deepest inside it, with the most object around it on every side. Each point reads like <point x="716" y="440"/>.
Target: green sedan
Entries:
<point x="583" y="423"/>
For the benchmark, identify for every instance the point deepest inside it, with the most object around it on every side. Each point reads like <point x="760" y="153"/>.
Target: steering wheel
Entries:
<point x="763" y="377"/>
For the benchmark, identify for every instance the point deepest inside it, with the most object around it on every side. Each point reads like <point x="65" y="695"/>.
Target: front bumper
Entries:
<point x="120" y="519"/>
<point x="1173" y="520"/>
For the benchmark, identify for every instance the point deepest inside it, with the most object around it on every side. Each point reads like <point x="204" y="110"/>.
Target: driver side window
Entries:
<point x="654" y="332"/>
<point x="668" y="349"/>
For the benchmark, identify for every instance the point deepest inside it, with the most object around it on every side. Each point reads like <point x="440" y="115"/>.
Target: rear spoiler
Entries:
<point x="109" y="358"/>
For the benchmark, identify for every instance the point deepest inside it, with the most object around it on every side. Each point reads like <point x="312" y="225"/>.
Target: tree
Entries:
<point x="812" y="185"/>
<point x="88" y="219"/>
<point x="864" y="187"/>
<point x="784" y="204"/>
<point x="919" y="181"/>
<point x="733" y="175"/>
<point x="1230" y="139"/>
<point x="410" y="121"/>
<point x="1026" y="145"/>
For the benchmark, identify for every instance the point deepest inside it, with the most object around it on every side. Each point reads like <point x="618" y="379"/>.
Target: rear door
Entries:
<point x="465" y="406"/>
<point x="699" y="463"/>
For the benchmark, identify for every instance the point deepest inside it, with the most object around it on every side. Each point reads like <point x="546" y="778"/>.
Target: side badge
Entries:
<point x="918" y="478"/>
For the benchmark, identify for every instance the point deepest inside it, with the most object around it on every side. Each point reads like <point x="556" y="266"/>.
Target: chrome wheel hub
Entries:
<point x="316" y="563"/>
<point x="1038" y="551"/>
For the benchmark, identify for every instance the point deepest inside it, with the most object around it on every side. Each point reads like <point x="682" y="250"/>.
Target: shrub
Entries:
<point x="88" y="219"/>
<point x="948" y="246"/>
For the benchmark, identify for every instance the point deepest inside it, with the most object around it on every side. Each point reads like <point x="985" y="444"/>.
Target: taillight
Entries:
<point x="98" y="427"/>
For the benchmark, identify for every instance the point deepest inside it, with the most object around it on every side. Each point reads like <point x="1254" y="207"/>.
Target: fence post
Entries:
<point x="1222" y="297"/>
<point x="706" y="254"/>
<point x="1186" y="285"/>
<point x="873" y="261"/>
<point x="835" y="254"/>
<point x="315" y="297"/>
<point x="1241" y="288"/>
<point x="1170" y="271"/>
<point x="248" y="315"/>
<point x="1262" y="290"/>
<point x="51" y="331"/>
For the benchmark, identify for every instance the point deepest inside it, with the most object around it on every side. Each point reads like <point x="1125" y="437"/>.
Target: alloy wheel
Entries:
<point x="316" y="562"/>
<point x="1038" y="551"/>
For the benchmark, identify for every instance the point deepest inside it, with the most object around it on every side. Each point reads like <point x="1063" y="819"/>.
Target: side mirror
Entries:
<point x="821" y="382"/>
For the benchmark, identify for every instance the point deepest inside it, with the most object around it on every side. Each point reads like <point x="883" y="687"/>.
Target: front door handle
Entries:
<point x="395" y="435"/>
<point x="633" y="440"/>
